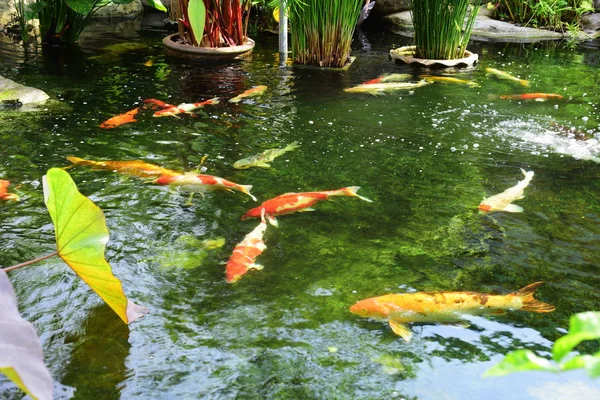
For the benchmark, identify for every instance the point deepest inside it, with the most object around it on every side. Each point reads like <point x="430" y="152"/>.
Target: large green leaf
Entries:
<point x="197" y="16"/>
<point x="82" y="6"/>
<point x="81" y="237"/>
<point x="582" y="326"/>
<point x="157" y="4"/>
<point x="520" y="360"/>
<point x="21" y="357"/>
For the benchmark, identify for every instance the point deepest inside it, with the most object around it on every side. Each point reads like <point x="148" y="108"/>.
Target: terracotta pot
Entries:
<point x="189" y="52"/>
<point x="405" y="55"/>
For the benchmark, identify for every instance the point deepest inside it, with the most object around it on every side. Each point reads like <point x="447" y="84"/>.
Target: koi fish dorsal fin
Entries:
<point x="513" y="208"/>
<point x="75" y="160"/>
<point x="531" y="304"/>
<point x="401" y="330"/>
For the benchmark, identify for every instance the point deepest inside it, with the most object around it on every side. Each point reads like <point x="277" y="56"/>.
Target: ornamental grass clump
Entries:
<point x="322" y="31"/>
<point x="443" y="27"/>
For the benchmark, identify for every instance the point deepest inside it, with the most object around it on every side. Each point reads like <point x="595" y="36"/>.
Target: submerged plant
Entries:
<point x="441" y="32"/>
<point x="322" y="30"/>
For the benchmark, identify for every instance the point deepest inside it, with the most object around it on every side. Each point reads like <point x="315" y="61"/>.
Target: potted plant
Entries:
<point x="210" y="28"/>
<point x="442" y="30"/>
<point x="321" y="30"/>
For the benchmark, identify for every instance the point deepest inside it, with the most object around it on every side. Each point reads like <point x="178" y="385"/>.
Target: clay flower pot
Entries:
<point x="405" y="55"/>
<point x="189" y="52"/>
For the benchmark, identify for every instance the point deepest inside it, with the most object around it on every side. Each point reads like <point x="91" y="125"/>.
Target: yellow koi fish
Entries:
<point x="389" y="78"/>
<point x="254" y="92"/>
<point x="502" y="201"/>
<point x="262" y="160"/>
<point x="379" y="88"/>
<point x="199" y="183"/>
<point x="449" y="79"/>
<point x="505" y="75"/>
<point x="135" y="168"/>
<point x="444" y="307"/>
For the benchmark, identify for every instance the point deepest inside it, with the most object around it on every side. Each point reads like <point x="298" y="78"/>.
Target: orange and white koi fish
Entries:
<point x="135" y="168"/>
<point x="502" y="201"/>
<point x="245" y="253"/>
<point x="120" y="119"/>
<point x="444" y="307"/>
<point x="200" y="183"/>
<point x="184" y="108"/>
<point x="254" y="92"/>
<point x="449" y="79"/>
<point x="4" y="195"/>
<point x="505" y="75"/>
<point x="158" y="103"/>
<point x="389" y="78"/>
<point x="532" y="96"/>
<point x="380" y="88"/>
<point x="298" y="202"/>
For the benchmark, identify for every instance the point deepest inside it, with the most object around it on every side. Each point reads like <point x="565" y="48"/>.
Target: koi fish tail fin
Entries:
<point x="531" y="304"/>
<point x="235" y="99"/>
<point x="246" y="189"/>
<point x="75" y="160"/>
<point x="292" y="146"/>
<point x="351" y="191"/>
<point x="513" y="208"/>
<point x="215" y="100"/>
<point x="528" y="175"/>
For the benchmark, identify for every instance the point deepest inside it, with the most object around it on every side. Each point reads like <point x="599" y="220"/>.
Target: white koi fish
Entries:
<point x="502" y="201"/>
<point x="184" y="108"/>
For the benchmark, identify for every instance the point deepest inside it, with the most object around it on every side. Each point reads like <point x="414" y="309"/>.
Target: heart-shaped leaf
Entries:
<point x="197" y="17"/>
<point x="582" y="326"/>
<point x="81" y="237"/>
<point x="21" y="357"/>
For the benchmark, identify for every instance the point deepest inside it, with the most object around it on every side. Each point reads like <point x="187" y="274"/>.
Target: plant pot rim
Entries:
<point x="202" y="53"/>
<point x="470" y="60"/>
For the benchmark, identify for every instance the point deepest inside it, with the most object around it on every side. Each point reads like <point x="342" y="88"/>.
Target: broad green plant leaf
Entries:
<point x="197" y="16"/>
<point x="582" y="326"/>
<point x="520" y="360"/>
<point x="21" y="358"/>
<point x="83" y="7"/>
<point x="157" y="4"/>
<point x="81" y="237"/>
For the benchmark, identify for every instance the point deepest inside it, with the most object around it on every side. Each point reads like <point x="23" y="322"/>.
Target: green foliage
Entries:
<point x="551" y="14"/>
<point x="197" y="15"/>
<point x="583" y="326"/>
<point x="322" y="31"/>
<point x="439" y="30"/>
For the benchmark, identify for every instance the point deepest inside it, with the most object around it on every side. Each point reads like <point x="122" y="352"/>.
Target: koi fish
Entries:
<point x="388" y="78"/>
<point x="378" y="88"/>
<point x="184" y="108"/>
<point x="506" y="76"/>
<point x="158" y="103"/>
<point x="298" y="202"/>
<point x="245" y="253"/>
<point x="262" y="160"/>
<point x="444" y="307"/>
<point x="449" y="79"/>
<point x="254" y="92"/>
<point x="120" y="119"/>
<point x="199" y="183"/>
<point x="4" y="195"/>
<point x="531" y="96"/>
<point x="135" y="168"/>
<point x="502" y="201"/>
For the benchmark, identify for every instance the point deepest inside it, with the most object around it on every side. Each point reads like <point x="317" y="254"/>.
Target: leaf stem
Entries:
<point x="30" y="262"/>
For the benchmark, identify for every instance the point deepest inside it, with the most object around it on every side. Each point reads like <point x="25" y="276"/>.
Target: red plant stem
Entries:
<point x="30" y="262"/>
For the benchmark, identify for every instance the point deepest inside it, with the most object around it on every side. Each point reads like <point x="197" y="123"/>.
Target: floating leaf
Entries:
<point x="81" y="237"/>
<point x="520" y="360"/>
<point x="197" y="17"/>
<point x="21" y="357"/>
<point x="582" y="326"/>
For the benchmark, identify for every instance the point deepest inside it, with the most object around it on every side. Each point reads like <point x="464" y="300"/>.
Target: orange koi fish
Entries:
<point x="199" y="183"/>
<point x="444" y="307"/>
<point x="120" y="119"/>
<point x="184" y="108"/>
<point x="531" y="96"/>
<point x="157" y="103"/>
<point x="254" y="92"/>
<point x="502" y="201"/>
<point x="298" y="202"/>
<point x="245" y="253"/>
<point x="135" y="168"/>
<point x="4" y="195"/>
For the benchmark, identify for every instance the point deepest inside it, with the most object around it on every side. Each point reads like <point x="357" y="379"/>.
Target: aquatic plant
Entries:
<point x="441" y="32"/>
<point x="212" y="23"/>
<point x="582" y="326"/>
<point x="62" y="21"/>
<point x="556" y="15"/>
<point x="322" y="30"/>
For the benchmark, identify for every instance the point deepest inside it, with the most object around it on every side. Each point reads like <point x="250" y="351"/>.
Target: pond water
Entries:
<point x="425" y="157"/>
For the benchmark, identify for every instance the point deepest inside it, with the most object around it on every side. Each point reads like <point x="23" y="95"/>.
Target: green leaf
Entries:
<point x="156" y="4"/>
<point x="520" y="360"/>
<point x="582" y="326"/>
<point x="81" y="237"/>
<point x="197" y="16"/>
<point x="83" y="7"/>
<point x="21" y="358"/>
<point x="588" y="362"/>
